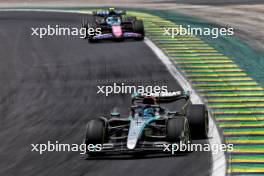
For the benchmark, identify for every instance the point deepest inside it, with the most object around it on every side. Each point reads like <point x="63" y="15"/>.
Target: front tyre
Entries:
<point x="90" y="39"/>
<point x="96" y="133"/>
<point x="197" y="116"/>
<point x="178" y="130"/>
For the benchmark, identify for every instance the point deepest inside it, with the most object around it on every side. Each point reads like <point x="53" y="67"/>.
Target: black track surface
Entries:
<point x="48" y="92"/>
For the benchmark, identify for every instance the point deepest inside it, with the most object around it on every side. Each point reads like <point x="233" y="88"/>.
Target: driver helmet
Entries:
<point x="112" y="20"/>
<point x="148" y="111"/>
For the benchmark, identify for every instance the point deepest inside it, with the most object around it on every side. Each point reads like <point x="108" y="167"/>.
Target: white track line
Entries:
<point x="219" y="159"/>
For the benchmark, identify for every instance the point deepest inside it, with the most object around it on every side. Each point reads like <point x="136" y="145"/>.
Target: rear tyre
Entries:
<point x="131" y="18"/>
<point x="197" y="116"/>
<point x="178" y="130"/>
<point x="85" y="24"/>
<point x="91" y="37"/>
<point x="96" y="133"/>
<point x="139" y="28"/>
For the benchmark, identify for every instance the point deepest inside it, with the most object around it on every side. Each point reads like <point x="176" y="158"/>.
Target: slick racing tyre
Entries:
<point x="90" y="37"/>
<point x="178" y="130"/>
<point x="139" y="28"/>
<point x="96" y="133"/>
<point x="197" y="116"/>
<point x="85" y="25"/>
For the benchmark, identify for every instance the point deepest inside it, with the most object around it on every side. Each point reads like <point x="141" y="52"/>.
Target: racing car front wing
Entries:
<point x="128" y="35"/>
<point x="121" y="147"/>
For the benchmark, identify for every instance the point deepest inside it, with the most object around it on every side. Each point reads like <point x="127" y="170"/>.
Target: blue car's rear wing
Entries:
<point x="162" y="97"/>
<point x="107" y="13"/>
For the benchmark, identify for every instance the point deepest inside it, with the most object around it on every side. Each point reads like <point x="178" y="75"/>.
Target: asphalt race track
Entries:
<point x="48" y="92"/>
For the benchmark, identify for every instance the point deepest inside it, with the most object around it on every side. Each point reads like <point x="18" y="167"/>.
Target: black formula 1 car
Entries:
<point x="148" y="126"/>
<point x="114" y="24"/>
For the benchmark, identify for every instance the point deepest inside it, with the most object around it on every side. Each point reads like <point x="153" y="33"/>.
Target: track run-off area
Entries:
<point x="235" y="100"/>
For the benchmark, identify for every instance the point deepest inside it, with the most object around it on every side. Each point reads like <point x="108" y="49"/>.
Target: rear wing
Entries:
<point x="107" y="13"/>
<point x="163" y="97"/>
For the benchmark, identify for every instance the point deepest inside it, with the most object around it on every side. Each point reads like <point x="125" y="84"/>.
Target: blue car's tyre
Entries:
<point x="91" y="37"/>
<point x="85" y="25"/>
<point x="139" y="28"/>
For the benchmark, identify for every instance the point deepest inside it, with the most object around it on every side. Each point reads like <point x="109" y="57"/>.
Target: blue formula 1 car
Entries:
<point x="148" y="126"/>
<point x="115" y="25"/>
